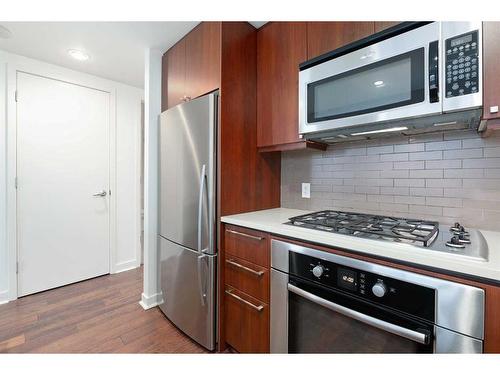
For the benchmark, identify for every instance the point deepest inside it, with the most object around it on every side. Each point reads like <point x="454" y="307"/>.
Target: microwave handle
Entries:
<point x="433" y="71"/>
<point x="421" y="338"/>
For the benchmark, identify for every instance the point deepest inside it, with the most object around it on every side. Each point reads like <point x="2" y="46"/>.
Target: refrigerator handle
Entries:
<point x="203" y="178"/>
<point x="201" y="286"/>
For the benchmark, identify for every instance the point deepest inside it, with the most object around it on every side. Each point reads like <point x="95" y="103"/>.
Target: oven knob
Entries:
<point x="379" y="289"/>
<point x="318" y="270"/>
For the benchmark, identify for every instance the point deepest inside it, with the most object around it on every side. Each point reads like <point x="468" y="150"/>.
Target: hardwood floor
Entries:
<point x="100" y="315"/>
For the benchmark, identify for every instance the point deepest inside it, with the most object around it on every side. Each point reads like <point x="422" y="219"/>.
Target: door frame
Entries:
<point x="71" y="77"/>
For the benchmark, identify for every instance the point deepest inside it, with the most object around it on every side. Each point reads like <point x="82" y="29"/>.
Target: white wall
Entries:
<point x="127" y="194"/>
<point x="3" y="194"/>
<point x="152" y="110"/>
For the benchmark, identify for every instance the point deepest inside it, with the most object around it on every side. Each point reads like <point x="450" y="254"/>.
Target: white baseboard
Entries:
<point x="148" y="302"/>
<point x="4" y="297"/>
<point x="126" y="266"/>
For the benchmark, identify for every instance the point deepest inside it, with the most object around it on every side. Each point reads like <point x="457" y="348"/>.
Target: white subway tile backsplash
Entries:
<point x="445" y="145"/>
<point x="413" y="182"/>
<point x="409" y="165"/>
<point x="444" y="182"/>
<point x="400" y="173"/>
<point x="464" y="154"/>
<point x="424" y="192"/>
<point x="444" y="201"/>
<point x="410" y="147"/>
<point x="443" y="164"/>
<point x="409" y="199"/>
<point x="380" y="150"/>
<point x="426" y="173"/>
<point x="395" y="190"/>
<point x="463" y="173"/>
<point x="394" y="157"/>
<point x="493" y="152"/>
<point x="427" y="155"/>
<point x="447" y="177"/>
<point x="482" y="163"/>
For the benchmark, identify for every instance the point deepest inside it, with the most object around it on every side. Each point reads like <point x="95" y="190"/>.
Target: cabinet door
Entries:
<point x="491" y="69"/>
<point x="281" y="47"/>
<point x="382" y="25"/>
<point x="246" y="322"/>
<point x="323" y="37"/>
<point x="203" y="59"/>
<point x="174" y="75"/>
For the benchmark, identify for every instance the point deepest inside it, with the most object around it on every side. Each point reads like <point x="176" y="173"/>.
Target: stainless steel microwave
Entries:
<point x="415" y="77"/>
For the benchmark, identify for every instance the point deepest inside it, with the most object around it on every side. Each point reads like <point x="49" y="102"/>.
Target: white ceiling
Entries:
<point x="116" y="49"/>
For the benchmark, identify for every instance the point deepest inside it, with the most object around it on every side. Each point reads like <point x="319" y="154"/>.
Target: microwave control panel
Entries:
<point x="462" y="64"/>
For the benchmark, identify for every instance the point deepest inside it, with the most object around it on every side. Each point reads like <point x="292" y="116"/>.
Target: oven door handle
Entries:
<point x="419" y="337"/>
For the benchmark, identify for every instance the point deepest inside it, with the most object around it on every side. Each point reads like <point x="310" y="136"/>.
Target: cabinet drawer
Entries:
<point x="247" y="244"/>
<point x="247" y="277"/>
<point x="247" y="322"/>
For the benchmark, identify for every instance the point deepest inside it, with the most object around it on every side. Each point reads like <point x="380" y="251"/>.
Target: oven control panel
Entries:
<point x="401" y="295"/>
<point x="462" y="63"/>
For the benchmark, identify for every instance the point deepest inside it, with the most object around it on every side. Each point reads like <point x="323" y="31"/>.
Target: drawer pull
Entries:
<point x="241" y="266"/>
<point x="245" y="235"/>
<point x="258" y="308"/>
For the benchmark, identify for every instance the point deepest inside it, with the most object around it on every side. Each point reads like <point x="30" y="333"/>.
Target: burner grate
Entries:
<point x="414" y="231"/>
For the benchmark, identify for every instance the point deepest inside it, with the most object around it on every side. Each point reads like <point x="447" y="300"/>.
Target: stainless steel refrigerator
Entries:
<point x="187" y="256"/>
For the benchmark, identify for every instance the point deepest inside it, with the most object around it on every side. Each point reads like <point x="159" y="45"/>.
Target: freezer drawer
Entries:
<point x="187" y="283"/>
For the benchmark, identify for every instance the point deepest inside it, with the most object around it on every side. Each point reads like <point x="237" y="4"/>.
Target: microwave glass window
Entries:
<point x="382" y="85"/>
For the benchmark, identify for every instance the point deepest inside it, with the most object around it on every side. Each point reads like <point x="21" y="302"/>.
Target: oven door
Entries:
<point x="324" y="320"/>
<point x="386" y="81"/>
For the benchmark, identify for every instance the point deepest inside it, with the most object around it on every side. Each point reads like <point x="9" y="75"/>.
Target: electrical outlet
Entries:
<point x="306" y="190"/>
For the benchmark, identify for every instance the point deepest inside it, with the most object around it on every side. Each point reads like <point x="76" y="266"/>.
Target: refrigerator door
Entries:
<point x="187" y="170"/>
<point x="187" y="282"/>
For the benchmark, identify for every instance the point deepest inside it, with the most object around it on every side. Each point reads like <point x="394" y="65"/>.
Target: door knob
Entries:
<point x="100" y="194"/>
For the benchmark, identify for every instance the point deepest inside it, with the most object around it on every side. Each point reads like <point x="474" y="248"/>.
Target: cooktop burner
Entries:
<point x="414" y="231"/>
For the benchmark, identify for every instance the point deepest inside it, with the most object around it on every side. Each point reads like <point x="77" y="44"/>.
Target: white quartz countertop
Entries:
<point x="272" y="221"/>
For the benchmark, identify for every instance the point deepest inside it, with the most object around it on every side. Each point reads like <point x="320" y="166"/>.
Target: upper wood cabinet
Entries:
<point x="281" y="47"/>
<point x="382" y="25"/>
<point x="323" y="37"/>
<point x="491" y="70"/>
<point x="192" y="65"/>
<point x="174" y="81"/>
<point x="203" y="59"/>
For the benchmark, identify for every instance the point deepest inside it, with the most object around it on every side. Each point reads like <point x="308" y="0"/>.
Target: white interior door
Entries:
<point x="62" y="161"/>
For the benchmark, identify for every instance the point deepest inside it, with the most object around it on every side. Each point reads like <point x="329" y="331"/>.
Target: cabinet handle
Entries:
<point x="258" y="308"/>
<point x="241" y="266"/>
<point x="245" y="235"/>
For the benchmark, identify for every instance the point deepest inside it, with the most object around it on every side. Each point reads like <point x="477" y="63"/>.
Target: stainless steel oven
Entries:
<point x="327" y="303"/>
<point x="378" y="84"/>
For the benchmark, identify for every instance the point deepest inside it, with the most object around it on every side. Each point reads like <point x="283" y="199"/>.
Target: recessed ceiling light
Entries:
<point x="78" y="55"/>
<point x="378" y="83"/>
<point x="4" y="32"/>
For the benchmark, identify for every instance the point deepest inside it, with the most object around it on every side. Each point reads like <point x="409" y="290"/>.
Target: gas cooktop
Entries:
<point x="421" y="233"/>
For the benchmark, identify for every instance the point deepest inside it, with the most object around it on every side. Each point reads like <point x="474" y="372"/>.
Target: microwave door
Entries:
<point x="383" y="82"/>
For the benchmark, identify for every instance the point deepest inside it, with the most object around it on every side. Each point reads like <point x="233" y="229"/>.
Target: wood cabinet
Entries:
<point x="324" y="37"/>
<point x="491" y="71"/>
<point x="281" y="47"/>
<point x="382" y="25"/>
<point x="192" y="65"/>
<point x="174" y="75"/>
<point x="246" y="289"/>
<point x="247" y="322"/>
<point x="203" y="46"/>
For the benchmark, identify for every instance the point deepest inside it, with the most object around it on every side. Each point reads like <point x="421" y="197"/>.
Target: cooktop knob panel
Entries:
<point x="379" y="289"/>
<point x="318" y="270"/>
